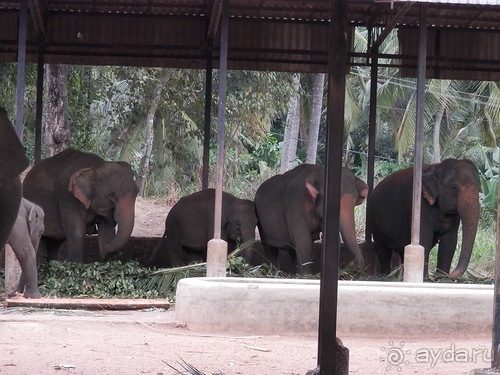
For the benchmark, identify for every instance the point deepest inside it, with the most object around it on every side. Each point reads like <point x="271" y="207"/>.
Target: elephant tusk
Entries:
<point x="30" y="216"/>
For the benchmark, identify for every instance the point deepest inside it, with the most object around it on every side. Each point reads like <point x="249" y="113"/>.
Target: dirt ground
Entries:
<point x="147" y="342"/>
<point x="36" y="341"/>
<point x="150" y="215"/>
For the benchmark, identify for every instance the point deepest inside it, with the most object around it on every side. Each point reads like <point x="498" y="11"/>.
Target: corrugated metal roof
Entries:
<point x="288" y="35"/>
<point x="458" y="2"/>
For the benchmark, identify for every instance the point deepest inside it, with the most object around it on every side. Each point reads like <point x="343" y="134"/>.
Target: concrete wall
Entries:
<point x="365" y="309"/>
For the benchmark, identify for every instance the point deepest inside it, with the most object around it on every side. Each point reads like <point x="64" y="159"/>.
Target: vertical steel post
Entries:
<point x="337" y="68"/>
<point x="39" y="101"/>
<point x="221" y="118"/>
<point x="414" y="253"/>
<point x="217" y="248"/>
<point x="372" y="127"/>
<point x="208" y="116"/>
<point x="21" y="65"/>
<point x="419" y="131"/>
<point x="495" y="358"/>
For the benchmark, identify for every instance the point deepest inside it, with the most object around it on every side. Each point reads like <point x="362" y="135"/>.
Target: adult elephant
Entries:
<point x="290" y="212"/>
<point x="190" y="225"/>
<point x="450" y="195"/>
<point x="24" y="239"/>
<point x="81" y="194"/>
<point x="12" y="162"/>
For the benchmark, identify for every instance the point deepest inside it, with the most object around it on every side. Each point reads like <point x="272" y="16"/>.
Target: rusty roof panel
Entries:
<point x="287" y="35"/>
<point x="449" y="54"/>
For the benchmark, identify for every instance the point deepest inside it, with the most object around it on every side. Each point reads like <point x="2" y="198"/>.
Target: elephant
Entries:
<point x="190" y="225"/>
<point x="290" y="212"/>
<point x="13" y="161"/>
<point x="81" y="194"/>
<point x="24" y="240"/>
<point x="450" y="195"/>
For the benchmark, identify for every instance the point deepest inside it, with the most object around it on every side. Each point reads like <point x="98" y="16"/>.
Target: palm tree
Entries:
<point x="290" y="137"/>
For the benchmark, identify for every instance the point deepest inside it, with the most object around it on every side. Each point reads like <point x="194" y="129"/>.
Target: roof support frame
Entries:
<point x="21" y="65"/>
<point x="330" y="247"/>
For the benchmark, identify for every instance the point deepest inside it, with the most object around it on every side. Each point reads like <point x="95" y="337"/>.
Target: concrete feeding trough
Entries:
<point x="365" y="309"/>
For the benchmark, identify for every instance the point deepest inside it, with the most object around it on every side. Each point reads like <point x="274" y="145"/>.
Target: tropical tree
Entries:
<point x="315" y="120"/>
<point x="55" y="124"/>
<point x="290" y="137"/>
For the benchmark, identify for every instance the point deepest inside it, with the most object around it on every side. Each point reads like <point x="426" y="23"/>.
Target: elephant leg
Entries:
<point x="29" y="276"/>
<point x="271" y="255"/>
<point x="26" y="255"/>
<point x="176" y="253"/>
<point x="287" y="261"/>
<point x="384" y="256"/>
<point x="446" y="251"/>
<point x="75" y="231"/>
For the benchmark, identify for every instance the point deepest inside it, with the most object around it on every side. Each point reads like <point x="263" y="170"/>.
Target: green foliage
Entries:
<point x="489" y="180"/>
<point x="165" y="280"/>
<point x="113" y="279"/>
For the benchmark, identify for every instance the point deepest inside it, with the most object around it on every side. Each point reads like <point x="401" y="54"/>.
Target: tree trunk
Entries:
<point x="317" y="104"/>
<point x="436" y="155"/>
<point x="291" y="128"/>
<point x="55" y="123"/>
<point x="148" y="144"/>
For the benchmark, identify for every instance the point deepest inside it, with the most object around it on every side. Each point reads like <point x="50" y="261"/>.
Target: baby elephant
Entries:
<point x="190" y="225"/>
<point x="24" y="240"/>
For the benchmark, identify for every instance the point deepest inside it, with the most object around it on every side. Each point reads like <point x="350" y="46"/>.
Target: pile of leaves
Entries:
<point x="112" y="279"/>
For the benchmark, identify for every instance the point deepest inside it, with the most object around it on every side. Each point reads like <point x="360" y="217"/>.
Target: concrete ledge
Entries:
<point x="365" y="309"/>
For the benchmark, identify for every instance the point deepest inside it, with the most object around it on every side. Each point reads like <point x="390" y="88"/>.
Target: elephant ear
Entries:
<point x="430" y="186"/>
<point x="34" y="218"/>
<point x="80" y="184"/>
<point x="312" y="190"/>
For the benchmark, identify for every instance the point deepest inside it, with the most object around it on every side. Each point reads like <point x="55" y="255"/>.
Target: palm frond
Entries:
<point x="189" y="368"/>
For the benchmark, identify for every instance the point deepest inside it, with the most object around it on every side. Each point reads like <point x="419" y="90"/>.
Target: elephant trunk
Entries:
<point x="124" y="217"/>
<point x="348" y="229"/>
<point x="468" y="210"/>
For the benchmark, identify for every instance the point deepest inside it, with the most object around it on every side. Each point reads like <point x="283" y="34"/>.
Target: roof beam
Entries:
<point x="390" y="26"/>
<point x="38" y="10"/>
<point x="214" y="14"/>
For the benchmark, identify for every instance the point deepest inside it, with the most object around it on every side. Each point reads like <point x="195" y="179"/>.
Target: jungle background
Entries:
<point x="153" y="119"/>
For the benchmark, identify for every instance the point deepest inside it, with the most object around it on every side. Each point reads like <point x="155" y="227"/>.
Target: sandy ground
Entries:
<point x="145" y="342"/>
<point x="150" y="215"/>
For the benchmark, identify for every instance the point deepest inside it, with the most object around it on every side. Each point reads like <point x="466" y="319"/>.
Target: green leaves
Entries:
<point x="113" y="279"/>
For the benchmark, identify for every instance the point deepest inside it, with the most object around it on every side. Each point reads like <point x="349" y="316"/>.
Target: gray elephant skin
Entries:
<point x="189" y="226"/>
<point x="12" y="162"/>
<point x="290" y="212"/>
<point x="450" y="196"/>
<point x="81" y="194"/>
<point x="24" y="240"/>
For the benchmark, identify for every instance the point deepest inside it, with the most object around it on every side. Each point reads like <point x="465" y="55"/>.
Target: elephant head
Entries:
<point x="109" y="191"/>
<point x="353" y="192"/>
<point x="240" y="219"/>
<point x="454" y="186"/>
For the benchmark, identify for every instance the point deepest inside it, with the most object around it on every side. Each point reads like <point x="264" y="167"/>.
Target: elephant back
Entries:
<point x="11" y="151"/>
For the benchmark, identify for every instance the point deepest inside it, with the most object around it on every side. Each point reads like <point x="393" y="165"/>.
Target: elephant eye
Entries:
<point x="113" y="198"/>
<point x="455" y="188"/>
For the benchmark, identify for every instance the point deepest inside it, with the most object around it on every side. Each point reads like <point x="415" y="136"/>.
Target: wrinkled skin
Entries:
<point x="24" y="240"/>
<point x="450" y="195"/>
<point x="12" y="162"/>
<point x="190" y="225"/>
<point x="290" y="211"/>
<point x="81" y="194"/>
